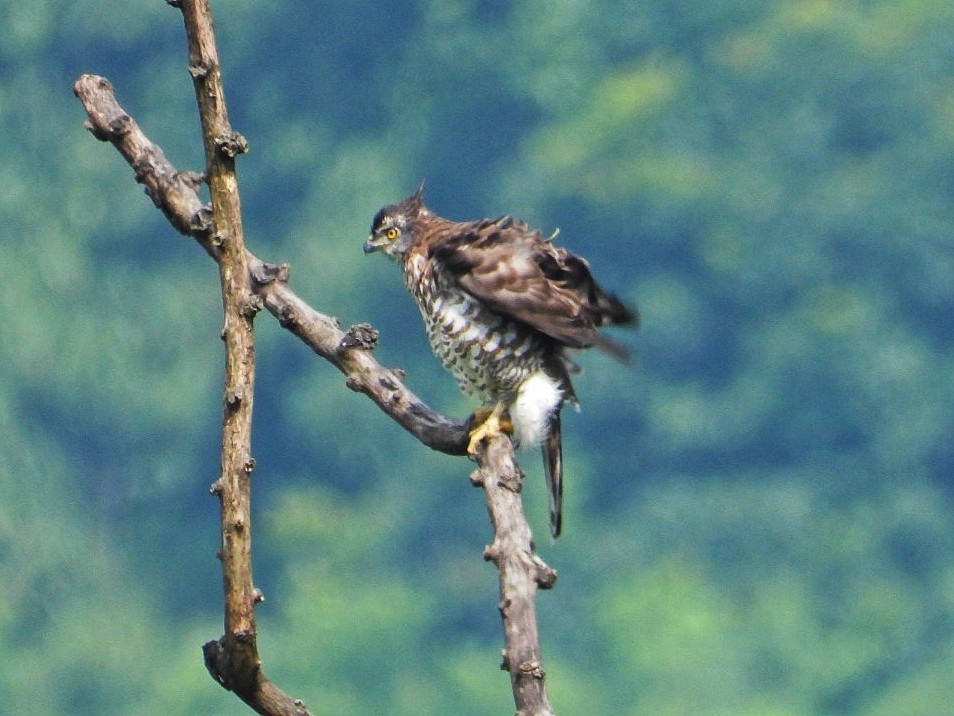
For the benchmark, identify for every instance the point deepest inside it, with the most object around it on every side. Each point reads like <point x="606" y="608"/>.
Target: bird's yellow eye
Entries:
<point x="391" y="233"/>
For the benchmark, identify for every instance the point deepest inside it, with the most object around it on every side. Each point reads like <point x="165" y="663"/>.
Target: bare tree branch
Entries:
<point x="249" y="283"/>
<point x="176" y="194"/>
<point x="234" y="662"/>
<point x="521" y="571"/>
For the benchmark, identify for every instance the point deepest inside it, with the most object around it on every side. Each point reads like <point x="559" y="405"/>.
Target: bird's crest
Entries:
<point x="409" y="208"/>
<point x="414" y="204"/>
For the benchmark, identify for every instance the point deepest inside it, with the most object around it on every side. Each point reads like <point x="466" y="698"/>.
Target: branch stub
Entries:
<point x="360" y="335"/>
<point x="231" y="143"/>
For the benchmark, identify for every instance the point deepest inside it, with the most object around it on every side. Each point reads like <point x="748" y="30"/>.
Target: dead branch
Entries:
<point x="249" y="283"/>
<point x="349" y="351"/>
<point x="521" y="572"/>
<point x="233" y="660"/>
<point x="176" y="194"/>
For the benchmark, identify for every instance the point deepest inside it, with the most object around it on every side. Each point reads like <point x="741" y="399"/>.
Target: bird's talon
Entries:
<point x="488" y="422"/>
<point x="475" y="438"/>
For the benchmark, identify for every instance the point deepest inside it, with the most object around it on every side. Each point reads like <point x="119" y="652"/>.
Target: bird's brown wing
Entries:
<point x="517" y="273"/>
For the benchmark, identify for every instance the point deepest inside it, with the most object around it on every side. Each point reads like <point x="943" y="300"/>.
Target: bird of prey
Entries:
<point x="502" y="305"/>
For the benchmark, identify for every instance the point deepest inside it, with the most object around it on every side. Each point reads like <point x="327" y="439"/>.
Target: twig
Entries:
<point x="250" y="283"/>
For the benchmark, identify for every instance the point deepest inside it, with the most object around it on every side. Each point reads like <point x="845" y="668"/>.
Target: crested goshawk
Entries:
<point x="502" y="305"/>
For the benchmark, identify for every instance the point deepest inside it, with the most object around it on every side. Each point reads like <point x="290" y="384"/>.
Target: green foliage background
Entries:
<point x="760" y="509"/>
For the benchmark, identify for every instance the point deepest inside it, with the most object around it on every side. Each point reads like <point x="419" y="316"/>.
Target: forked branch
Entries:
<point x="249" y="283"/>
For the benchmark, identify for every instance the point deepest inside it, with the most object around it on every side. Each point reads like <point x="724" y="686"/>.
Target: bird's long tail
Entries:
<point x="553" y="468"/>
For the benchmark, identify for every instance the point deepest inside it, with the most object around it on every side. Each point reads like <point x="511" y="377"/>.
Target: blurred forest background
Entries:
<point x="760" y="516"/>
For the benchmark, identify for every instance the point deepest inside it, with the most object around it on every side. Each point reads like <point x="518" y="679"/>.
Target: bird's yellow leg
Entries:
<point x="487" y="422"/>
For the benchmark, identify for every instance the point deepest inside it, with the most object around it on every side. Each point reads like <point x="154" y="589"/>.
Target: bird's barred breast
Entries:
<point x="489" y="354"/>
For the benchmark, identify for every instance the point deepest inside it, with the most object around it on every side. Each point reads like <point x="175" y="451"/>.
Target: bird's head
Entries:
<point x="392" y="229"/>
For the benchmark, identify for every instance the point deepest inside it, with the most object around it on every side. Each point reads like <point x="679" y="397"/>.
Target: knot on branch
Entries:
<point x="512" y="481"/>
<point x="231" y="143"/>
<point x="266" y="272"/>
<point x="216" y="659"/>
<point x="360" y="335"/>
<point x="252" y="304"/>
<point x="123" y="124"/>
<point x="197" y="70"/>
<point x="113" y="127"/>
<point x="234" y="397"/>
<point x="200" y="223"/>
<point x="151" y="164"/>
<point x="287" y="317"/>
<point x="216" y="656"/>
<point x="533" y="669"/>
<point x="544" y="575"/>
<point x="393" y="379"/>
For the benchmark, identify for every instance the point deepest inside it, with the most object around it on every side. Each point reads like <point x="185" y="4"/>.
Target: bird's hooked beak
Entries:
<point x="374" y="243"/>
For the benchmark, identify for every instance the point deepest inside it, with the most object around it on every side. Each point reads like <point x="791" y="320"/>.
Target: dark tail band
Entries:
<point x="553" y="468"/>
